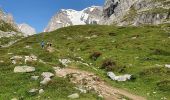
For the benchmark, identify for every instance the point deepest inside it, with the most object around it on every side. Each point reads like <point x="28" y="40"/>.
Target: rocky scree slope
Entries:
<point x="136" y="12"/>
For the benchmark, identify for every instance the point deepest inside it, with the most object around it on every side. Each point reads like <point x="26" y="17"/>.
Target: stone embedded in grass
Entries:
<point x="119" y="78"/>
<point x="41" y="91"/>
<point x="14" y="99"/>
<point x="167" y="65"/>
<point x="28" y="47"/>
<point x="15" y="59"/>
<point x="23" y="69"/>
<point x="45" y="81"/>
<point x="34" y="77"/>
<point x="30" y="58"/>
<point x="33" y="91"/>
<point x="64" y="62"/>
<point x="47" y="74"/>
<point x="74" y="96"/>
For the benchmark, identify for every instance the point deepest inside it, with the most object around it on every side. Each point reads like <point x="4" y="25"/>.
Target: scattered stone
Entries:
<point x="30" y="58"/>
<point x="34" y="77"/>
<point x="33" y="91"/>
<point x="81" y="89"/>
<point x="1" y="61"/>
<point x="64" y="62"/>
<point x="41" y="91"/>
<point x="14" y="62"/>
<point x="23" y="69"/>
<point x="47" y="74"/>
<point x="16" y="58"/>
<point x="45" y="81"/>
<point x="119" y="78"/>
<point x="28" y="47"/>
<point x="134" y="37"/>
<point x="154" y="92"/>
<point x="74" y="96"/>
<point x="50" y="49"/>
<point x="167" y="65"/>
<point x="10" y="53"/>
<point x="100" y="96"/>
<point x="14" y="99"/>
<point x="41" y="61"/>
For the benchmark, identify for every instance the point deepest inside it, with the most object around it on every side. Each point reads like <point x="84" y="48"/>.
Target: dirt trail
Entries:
<point x="91" y="81"/>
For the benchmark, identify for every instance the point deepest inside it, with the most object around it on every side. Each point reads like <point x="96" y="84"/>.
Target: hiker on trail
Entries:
<point x="42" y="44"/>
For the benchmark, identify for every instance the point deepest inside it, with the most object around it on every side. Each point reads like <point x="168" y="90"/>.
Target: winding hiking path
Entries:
<point x="90" y="80"/>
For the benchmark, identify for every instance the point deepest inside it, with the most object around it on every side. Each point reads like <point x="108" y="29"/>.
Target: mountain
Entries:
<point x="7" y="22"/>
<point x="69" y="17"/>
<point x="8" y="27"/>
<point x="136" y="12"/>
<point x="26" y="29"/>
<point x="118" y="12"/>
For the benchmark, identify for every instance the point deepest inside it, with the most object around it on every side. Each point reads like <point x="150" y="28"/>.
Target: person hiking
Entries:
<point x="42" y="44"/>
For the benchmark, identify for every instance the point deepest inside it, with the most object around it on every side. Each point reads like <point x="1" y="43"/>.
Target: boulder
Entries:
<point x="33" y="91"/>
<point x="41" y="91"/>
<point x="64" y="62"/>
<point x="30" y="58"/>
<point x="24" y="69"/>
<point x="47" y="74"/>
<point x="167" y="65"/>
<point x="119" y="78"/>
<point x="45" y="81"/>
<point x="34" y="77"/>
<point x="74" y="96"/>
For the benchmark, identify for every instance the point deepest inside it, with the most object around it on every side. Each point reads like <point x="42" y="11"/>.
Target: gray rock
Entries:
<point x="135" y="12"/>
<point x="167" y="65"/>
<point x="23" y="69"/>
<point x="41" y="91"/>
<point x="45" y="81"/>
<point x="34" y="77"/>
<point x="119" y="78"/>
<point x="74" y="96"/>
<point x="47" y="74"/>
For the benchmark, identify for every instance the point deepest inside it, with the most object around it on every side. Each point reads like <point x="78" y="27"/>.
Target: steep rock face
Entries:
<point x="26" y="29"/>
<point x="6" y="18"/>
<point x="68" y="17"/>
<point x="136" y="12"/>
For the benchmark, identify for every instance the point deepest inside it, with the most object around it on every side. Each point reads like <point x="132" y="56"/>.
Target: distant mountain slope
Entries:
<point x="68" y="17"/>
<point x="8" y="25"/>
<point x="136" y="12"/>
<point x="117" y="12"/>
<point x="26" y="29"/>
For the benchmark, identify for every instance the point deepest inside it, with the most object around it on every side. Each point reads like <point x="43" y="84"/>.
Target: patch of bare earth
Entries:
<point x="91" y="82"/>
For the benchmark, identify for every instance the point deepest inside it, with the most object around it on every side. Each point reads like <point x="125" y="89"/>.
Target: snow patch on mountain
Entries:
<point x="26" y="29"/>
<point x="69" y="17"/>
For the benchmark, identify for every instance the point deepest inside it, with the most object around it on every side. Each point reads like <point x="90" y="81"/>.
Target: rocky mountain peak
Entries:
<point x="26" y="29"/>
<point x="68" y="17"/>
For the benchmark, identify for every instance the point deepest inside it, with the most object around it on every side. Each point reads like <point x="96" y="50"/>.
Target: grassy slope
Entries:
<point x="134" y="56"/>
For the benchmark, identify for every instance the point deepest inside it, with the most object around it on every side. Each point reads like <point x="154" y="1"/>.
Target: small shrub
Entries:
<point x="108" y="65"/>
<point x="112" y="34"/>
<point x="95" y="55"/>
<point x="164" y="85"/>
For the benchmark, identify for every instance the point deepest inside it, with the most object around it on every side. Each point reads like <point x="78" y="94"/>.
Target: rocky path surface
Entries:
<point x="91" y="82"/>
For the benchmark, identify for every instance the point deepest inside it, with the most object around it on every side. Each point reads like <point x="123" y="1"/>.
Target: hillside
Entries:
<point x="141" y="52"/>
